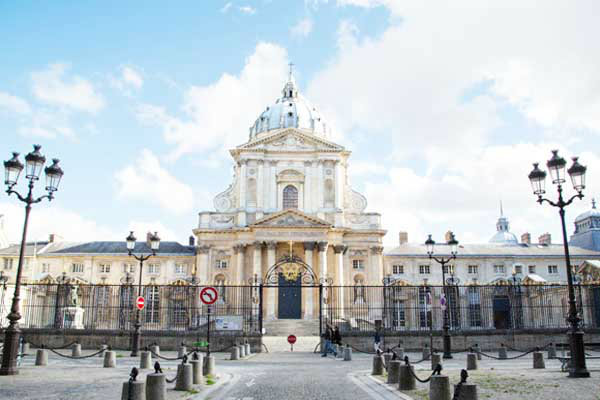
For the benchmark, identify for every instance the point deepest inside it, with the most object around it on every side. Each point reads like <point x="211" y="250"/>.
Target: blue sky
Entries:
<point x="444" y="106"/>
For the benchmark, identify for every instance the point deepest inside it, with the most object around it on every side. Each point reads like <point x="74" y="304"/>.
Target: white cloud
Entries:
<point x="248" y="10"/>
<point x="218" y="116"/>
<point x="140" y="228"/>
<point x="132" y="77"/>
<point x="147" y="181"/>
<point x="302" y="29"/>
<point x="226" y="7"/>
<point x="48" y="124"/>
<point x="53" y="87"/>
<point x="14" y="103"/>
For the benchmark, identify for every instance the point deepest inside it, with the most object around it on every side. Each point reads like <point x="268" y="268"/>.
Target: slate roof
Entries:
<point x="491" y="250"/>
<point x="165" y="248"/>
<point x="30" y="248"/>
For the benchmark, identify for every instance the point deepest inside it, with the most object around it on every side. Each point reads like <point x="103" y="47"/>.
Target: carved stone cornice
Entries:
<point x="204" y="249"/>
<point x="239" y="248"/>
<point x="377" y="249"/>
<point x="258" y="245"/>
<point x="309" y="245"/>
<point x="339" y="248"/>
<point x="322" y="246"/>
<point x="272" y="245"/>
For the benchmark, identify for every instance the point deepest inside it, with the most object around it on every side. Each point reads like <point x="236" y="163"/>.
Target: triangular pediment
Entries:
<point x="291" y="140"/>
<point x="291" y="218"/>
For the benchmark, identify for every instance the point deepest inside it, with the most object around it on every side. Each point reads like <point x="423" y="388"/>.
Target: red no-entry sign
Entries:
<point x="140" y="303"/>
<point x="291" y="339"/>
<point x="208" y="295"/>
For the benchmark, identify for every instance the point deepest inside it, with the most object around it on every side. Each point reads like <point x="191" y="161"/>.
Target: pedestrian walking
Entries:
<point x="337" y="336"/>
<point x="328" y="337"/>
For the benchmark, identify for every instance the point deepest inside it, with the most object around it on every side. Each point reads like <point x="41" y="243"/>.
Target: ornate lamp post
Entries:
<point x="154" y="244"/>
<point x="556" y="165"/>
<point x="34" y="162"/>
<point x="453" y="243"/>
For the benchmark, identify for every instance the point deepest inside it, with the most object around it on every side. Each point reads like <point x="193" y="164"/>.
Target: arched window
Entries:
<point x="290" y="197"/>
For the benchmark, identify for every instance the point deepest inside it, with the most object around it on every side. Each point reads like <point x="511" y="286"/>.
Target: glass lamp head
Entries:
<point x="556" y="165"/>
<point x="537" y="177"/>
<point x="53" y="176"/>
<point x="34" y="162"/>
<point x="154" y="242"/>
<point x="12" y="170"/>
<point x="429" y="243"/>
<point x="130" y="241"/>
<point x="577" y="174"/>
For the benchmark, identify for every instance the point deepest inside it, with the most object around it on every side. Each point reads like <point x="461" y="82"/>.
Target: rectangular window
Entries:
<point x="180" y="269"/>
<point x="424" y="269"/>
<point x="449" y="269"/>
<point x="518" y="269"/>
<point x="104" y="268"/>
<point x="45" y="268"/>
<point x="128" y="267"/>
<point x="474" y="307"/>
<point x="221" y="264"/>
<point x="154" y="268"/>
<point x="77" y="268"/>
<point x="473" y="269"/>
<point x="424" y="306"/>
<point x="532" y="269"/>
<point x="499" y="269"/>
<point x="8" y="263"/>
<point x="152" y="303"/>
<point x="398" y="269"/>
<point x="552" y="269"/>
<point x="358" y="264"/>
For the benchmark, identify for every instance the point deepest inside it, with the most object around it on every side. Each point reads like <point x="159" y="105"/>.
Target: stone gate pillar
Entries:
<point x="238" y="249"/>
<point x="339" y="251"/>
<point x="203" y="263"/>
<point x="308" y="292"/>
<point x="272" y="291"/>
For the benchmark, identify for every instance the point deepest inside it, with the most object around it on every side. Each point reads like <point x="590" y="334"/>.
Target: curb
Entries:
<point x="225" y="380"/>
<point x="375" y="388"/>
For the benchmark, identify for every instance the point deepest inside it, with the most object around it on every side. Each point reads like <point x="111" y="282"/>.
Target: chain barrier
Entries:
<point x="76" y="358"/>
<point x="463" y="379"/>
<point x="51" y="348"/>
<point x="170" y="358"/>
<point x="436" y="371"/>
<point x="267" y="349"/>
<point x="508" y="358"/>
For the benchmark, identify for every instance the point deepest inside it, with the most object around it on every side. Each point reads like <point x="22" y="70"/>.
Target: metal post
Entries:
<point x="260" y="309"/>
<point x="208" y="332"/>
<point x="320" y="310"/>
<point x="446" y="328"/>
<point x="137" y="334"/>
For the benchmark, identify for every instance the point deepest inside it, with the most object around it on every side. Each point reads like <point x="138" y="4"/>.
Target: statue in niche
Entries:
<point x="73" y="297"/>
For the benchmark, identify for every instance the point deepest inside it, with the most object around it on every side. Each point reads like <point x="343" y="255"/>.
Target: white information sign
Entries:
<point x="229" y="323"/>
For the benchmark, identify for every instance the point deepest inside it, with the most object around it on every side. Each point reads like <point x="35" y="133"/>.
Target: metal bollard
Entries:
<point x="348" y="353"/>
<point x="464" y="390"/>
<point x="133" y="389"/>
<point x="41" y="358"/>
<point x="439" y="388"/>
<point x="538" y="360"/>
<point x="235" y="353"/>
<point x="110" y="359"/>
<point x="502" y="352"/>
<point x="184" y="377"/>
<point x="76" y="350"/>
<point x="156" y="386"/>
<point x="209" y="366"/>
<point x="247" y="349"/>
<point x="182" y="351"/>
<point x="25" y="347"/>
<point x="552" y="351"/>
<point x="394" y="371"/>
<point x="426" y="352"/>
<point x="435" y="360"/>
<point x="145" y="360"/>
<point x="477" y="351"/>
<point x="377" y="365"/>
<point x="103" y="347"/>
<point x="471" y="361"/>
<point x="196" y="371"/>
<point x="406" y="380"/>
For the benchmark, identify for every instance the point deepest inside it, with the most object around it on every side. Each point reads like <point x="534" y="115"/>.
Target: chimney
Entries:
<point x="448" y="236"/>
<point x="148" y="237"/>
<point x="546" y="238"/>
<point x="526" y="238"/>
<point x="55" y="238"/>
<point x="403" y="237"/>
<point x="192" y="241"/>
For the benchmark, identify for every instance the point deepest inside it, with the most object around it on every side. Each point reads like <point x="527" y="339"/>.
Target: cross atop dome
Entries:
<point x="594" y="203"/>
<point x="290" y="90"/>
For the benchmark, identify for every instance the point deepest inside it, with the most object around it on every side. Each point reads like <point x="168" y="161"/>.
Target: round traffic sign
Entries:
<point x="140" y="303"/>
<point x="208" y="295"/>
<point x="291" y="339"/>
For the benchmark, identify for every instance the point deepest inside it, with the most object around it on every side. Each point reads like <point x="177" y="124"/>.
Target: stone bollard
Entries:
<point x="76" y="350"/>
<point x="235" y="353"/>
<point x="471" y="361"/>
<point x="394" y="371"/>
<point x="197" y="371"/>
<point x="247" y="349"/>
<point x="184" y="377"/>
<point x="103" y="347"/>
<point x="25" y="347"/>
<point x="387" y="357"/>
<point x="439" y="388"/>
<point x="426" y="352"/>
<point x="348" y="353"/>
<point x="242" y="350"/>
<point x="406" y="380"/>
<point x="155" y="349"/>
<point x="400" y="353"/>
<point x="477" y="351"/>
<point x="468" y="391"/>
<point x="502" y="353"/>
<point x="435" y="360"/>
<point x="41" y="358"/>
<point x="552" y="351"/>
<point x="156" y="387"/>
<point x="377" y="365"/>
<point x="145" y="360"/>
<point x="110" y="359"/>
<point x="182" y="351"/>
<point x="209" y="366"/>
<point x="538" y="360"/>
<point x="137" y="388"/>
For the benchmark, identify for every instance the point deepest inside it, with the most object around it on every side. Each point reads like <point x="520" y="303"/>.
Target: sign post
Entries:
<point x="291" y="340"/>
<point x="208" y="295"/>
<point x="140" y="303"/>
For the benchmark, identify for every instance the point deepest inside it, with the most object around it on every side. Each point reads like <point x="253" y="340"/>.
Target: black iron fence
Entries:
<point x="112" y="307"/>
<point x="470" y="308"/>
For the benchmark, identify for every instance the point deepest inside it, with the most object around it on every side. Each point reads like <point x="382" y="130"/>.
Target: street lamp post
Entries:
<point x="453" y="243"/>
<point x="556" y="165"/>
<point x="154" y="244"/>
<point x="34" y="162"/>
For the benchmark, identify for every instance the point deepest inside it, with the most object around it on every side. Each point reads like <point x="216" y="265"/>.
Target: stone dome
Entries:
<point x="503" y="235"/>
<point x="593" y="213"/>
<point x="291" y="110"/>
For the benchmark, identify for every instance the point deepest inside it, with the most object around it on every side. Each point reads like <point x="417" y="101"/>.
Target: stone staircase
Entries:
<point x="298" y="327"/>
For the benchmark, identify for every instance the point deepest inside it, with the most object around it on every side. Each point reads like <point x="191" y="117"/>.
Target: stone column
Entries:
<point x="267" y="186"/>
<point x="376" y="276"/>
<point x="256" y="266"/>
<point x="323" y="268"/>
<point x="273" y="183"/>
<point x="308" y="259"/>
<point x="339" y="251"/>
<point x="260" y="203"/>
<point x="338" y="186"/>
<point x="272" y="291"/>
<point x="238" y="249"/>
<point x="321" y="186"/>
<point x="307" y="187"/>
<point x="242" y="205"/>
<point x="203" y="267"/>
